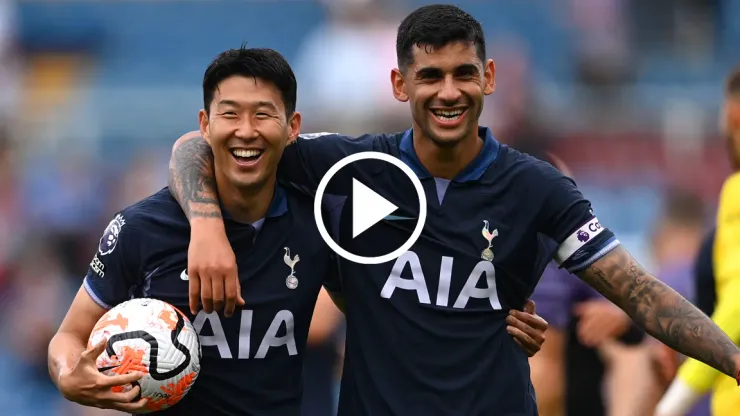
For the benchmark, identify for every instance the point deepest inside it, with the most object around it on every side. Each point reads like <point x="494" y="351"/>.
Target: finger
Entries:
<point x="593" y="335"/>
<point x="536" y="336"/>
<point x="122" y="397"/>
<point x="535" y="321"/>
<point x="240" y="300"/>
<point x="230" y="290"/>
<point x="524" y="340"/>
<point x="129" y="407"/>
<point x="206" y="294"/>
<point x="119" y="380"/>
<point x="217" y="291"/>
<point x="530" y="307"/>
<point x="194" y="291"/>
<point x="522" y="346"/>
<point x="94" y="352"/>
<point x="581" y="309"/>
<point x="519" y="344"/>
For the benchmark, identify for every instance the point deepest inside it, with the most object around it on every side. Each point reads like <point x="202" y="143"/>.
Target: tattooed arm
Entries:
<point x="211" y="260"/>
<point x="191" y="179"/>
<point x="661" y="311"/>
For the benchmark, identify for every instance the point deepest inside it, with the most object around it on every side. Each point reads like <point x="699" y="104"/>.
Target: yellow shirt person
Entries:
<point x="694" y="378"/>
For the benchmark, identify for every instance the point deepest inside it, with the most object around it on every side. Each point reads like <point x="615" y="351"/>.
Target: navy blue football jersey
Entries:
<point x="252" y="361"/>
<point x="426" y="333"/>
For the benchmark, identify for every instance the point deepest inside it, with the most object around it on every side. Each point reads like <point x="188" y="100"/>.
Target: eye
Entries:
<point x="262" y="115"/>
<point x="466" y="73"/>
<point x="429" y="74"/>
<point x="228" y="114"/>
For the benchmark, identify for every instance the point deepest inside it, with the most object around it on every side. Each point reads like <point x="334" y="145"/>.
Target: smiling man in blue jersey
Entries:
<point x="252" y="362"/>
<point x="427" y="333"/>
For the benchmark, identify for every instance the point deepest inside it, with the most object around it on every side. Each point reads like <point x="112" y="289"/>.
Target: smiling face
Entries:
<point x="445" y="87"/>
<point x="248" y="129"/>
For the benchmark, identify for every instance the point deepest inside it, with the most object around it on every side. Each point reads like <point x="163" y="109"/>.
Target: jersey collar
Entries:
<point x="475" y="169"/>
<point x="278" y="207"/>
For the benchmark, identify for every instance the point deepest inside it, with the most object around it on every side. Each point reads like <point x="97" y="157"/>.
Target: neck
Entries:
<point x="246" y="205"/>
<point x="446" y="161"/>
<point x="734" y="148"/>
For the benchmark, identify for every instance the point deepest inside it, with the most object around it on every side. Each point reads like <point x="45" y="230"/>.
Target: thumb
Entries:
<point x="94" y="352"/>
<point x="530" y="307"/>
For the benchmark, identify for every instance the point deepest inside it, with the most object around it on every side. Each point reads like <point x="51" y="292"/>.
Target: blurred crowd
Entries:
<point x="626" y="92"/>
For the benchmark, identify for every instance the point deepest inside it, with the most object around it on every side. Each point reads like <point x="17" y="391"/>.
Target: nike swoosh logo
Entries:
<point x="397" y="218"/>
<point x="184" y="274"/>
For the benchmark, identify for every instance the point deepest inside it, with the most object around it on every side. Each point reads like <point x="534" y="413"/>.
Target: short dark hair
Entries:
<point x="733" y="82"/>
<point x="265" y="64"/>
<point x="683" y="208"/>
<point x="434" y="27"/>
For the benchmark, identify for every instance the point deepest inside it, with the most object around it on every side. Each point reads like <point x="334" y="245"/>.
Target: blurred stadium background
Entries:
<point x="94" y="93"/>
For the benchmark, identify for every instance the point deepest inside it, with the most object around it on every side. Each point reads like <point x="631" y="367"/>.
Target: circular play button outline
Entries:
<point x="419" y="221"/>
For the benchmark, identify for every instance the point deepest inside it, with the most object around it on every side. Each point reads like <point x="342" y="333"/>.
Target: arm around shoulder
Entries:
<point x="191" y="177"/>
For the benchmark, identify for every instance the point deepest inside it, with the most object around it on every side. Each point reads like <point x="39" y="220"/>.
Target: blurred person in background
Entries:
<point x="704" y="282"/>
<point x="12" y="219"/>
<point x="695" y="379"/>
<point x="590" y="341"/>
<point x="676" y="240"/>
<point x="337" y="77"/>
<point x="9" y="62"/>
<point x="38" y="294"/>
<point x="321" y="358"/>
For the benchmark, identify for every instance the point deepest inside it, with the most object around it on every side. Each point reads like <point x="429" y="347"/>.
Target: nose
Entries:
<point x="449" y="93"/>
<point x="246" y="129"/>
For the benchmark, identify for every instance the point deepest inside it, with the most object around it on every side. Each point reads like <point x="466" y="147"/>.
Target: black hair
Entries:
<point x="732" y="86"/>
<point x="434" y="27"/>
<point x="264" y="64"/>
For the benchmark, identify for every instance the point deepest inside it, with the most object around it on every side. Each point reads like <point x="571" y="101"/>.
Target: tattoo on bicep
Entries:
<point x="191" y="179"/>
<point x="660" y="310"/>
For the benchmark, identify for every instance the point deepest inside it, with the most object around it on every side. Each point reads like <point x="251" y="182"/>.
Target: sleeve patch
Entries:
<point x="578" y="239"/>
<point x="109" y="240"/>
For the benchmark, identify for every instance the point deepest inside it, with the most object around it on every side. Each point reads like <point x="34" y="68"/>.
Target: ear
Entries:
<point x="203" y="122"/>
<point x="489" y="77"/>
<point x="732" y="109"/>
<point x="294" y="127"/>
<point x="399" y="85"/>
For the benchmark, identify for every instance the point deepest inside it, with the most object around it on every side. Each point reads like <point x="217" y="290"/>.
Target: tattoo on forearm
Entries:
<point x="191" y="179"/>
<point x="661" y="311"/>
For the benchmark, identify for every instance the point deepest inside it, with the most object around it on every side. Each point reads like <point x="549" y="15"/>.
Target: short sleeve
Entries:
<point x="706" y="295"/>
<point x="309" y="158"/>
<point x="564" y="208"/>
<point x="333" y="206"/>
<point x="332" y="282"/>
<point x="566" y="216"/>
<point x="114" y="269"/>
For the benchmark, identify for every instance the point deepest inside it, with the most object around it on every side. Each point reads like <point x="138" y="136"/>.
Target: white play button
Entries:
<point x="367" y="207"/>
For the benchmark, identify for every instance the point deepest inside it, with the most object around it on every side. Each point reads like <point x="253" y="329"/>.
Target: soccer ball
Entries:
<point x="151" y="337"/>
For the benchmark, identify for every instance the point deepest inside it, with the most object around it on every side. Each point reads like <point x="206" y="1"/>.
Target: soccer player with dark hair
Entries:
<point x="252" y="362"/>
<point x="426" y="333"/>
<point x="694" y="378"/>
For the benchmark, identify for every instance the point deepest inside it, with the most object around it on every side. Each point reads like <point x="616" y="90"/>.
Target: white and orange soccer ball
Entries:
<point x="151" y="337"/>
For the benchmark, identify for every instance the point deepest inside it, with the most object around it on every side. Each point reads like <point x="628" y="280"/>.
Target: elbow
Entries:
<point x="185" y="138"/>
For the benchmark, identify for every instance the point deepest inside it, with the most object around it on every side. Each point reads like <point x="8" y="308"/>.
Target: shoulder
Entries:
<point x="731" y="189"/>
<point x="729" y="202"/>
<point x="379" y="142"/>
<point x="158" y="208"/>
<point x="526" y="168"/>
